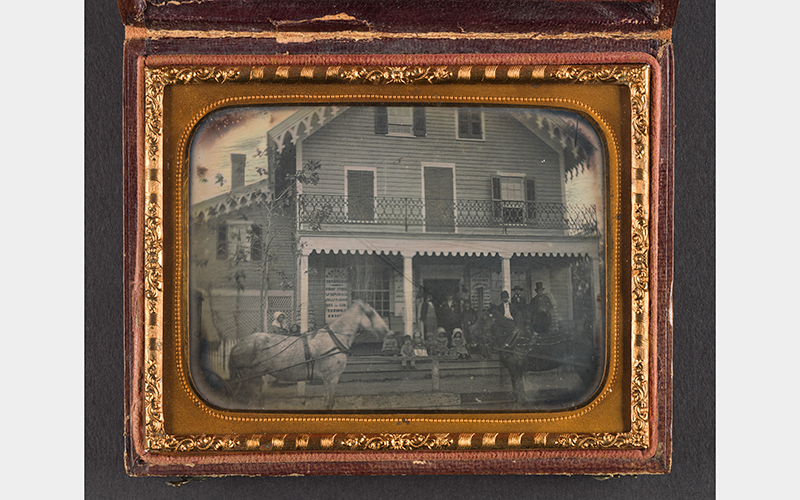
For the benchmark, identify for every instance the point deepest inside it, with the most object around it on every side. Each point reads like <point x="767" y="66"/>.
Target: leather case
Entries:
<point x="455" y="34"/>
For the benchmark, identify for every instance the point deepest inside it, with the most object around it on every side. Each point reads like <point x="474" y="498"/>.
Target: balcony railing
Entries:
<point x="445" y="215"/>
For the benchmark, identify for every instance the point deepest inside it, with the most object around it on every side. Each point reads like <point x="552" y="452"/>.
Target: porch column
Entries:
<point x="301" y="386"/>
<point x="506" y="273"/>
<point x="408" y="294"/>
<point x="303" y="293"/>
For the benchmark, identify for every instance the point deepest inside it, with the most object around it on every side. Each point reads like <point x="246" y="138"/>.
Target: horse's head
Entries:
<point x="370" y="320"/>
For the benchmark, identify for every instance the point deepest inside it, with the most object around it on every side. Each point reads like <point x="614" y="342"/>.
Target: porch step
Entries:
<point x="379" y="368"/>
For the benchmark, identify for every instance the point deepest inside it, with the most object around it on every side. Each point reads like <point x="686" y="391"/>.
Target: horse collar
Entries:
<point x="338" y="343"/>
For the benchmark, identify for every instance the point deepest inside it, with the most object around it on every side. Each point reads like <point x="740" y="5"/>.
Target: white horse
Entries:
<point x="320" y="355"/>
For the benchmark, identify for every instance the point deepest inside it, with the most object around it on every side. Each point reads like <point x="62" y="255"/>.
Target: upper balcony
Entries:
<point x="414" y="215"/>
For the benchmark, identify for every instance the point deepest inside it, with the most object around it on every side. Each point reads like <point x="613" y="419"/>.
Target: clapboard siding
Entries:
<point x="508" y="146"/>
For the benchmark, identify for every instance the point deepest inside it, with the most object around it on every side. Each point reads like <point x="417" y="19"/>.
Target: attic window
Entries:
<point x="470" y="124"/>
<point x="400" y="122"/>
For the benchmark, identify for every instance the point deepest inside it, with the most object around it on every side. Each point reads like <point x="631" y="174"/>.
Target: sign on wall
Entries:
<point x="399" y="295"/>
<point x="480" y="290"/>
<point x="336" y="292"/>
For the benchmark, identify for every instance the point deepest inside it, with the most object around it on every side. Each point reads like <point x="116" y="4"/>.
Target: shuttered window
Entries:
<point x="513" y="199"/>
<point x="400" y="121"/>
<point x="470" y="124"/>
<point x="240" y="240"/>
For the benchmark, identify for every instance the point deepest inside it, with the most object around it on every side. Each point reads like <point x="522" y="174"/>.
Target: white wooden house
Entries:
<point x="441" y="200"/>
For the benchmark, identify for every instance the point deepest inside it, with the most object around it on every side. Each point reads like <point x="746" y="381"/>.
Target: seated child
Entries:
<point x="390" y="347"/>
<point x="419" y="344"/>
<point x="459" y="344"/>
<point x="407" y="352"/>
<point x="439" y="347"/>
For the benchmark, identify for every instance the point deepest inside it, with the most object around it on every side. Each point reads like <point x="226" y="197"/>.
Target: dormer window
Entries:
<point x="470" y="124"/>
<point x="400" y="121"/>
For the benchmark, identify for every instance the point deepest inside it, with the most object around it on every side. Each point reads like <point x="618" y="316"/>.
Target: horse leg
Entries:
<point x="330" y="389"/>
<point x="518" y="386"/>
<point x="330" y="373"/>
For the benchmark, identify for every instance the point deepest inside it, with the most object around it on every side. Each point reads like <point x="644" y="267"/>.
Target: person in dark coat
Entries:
<point x="519" y="308"/>
<point x="542" y="311"/>
<point x="449" y="316"/>
<point x="468" y="318"/>
<point x="427" y="317"/>
<point x="504" y="308"/>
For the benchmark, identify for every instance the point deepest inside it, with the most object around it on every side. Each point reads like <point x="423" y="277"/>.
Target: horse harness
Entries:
<point x="311" y="360"/>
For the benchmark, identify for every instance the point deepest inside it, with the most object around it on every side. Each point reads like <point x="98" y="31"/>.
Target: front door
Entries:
<point x="439" y="199"/>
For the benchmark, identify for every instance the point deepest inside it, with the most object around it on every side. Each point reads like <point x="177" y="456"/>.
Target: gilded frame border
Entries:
<point x="636" y="77"/>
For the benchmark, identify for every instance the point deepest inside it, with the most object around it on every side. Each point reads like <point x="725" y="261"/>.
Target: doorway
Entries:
<point x="439" y="288"/>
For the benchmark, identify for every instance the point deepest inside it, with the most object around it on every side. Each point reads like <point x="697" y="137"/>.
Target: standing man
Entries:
<point x="427" y="317"/>
<point x="449" y="316"/>
<point x="519" y="307"/>
<point x="542" y="311"/>
<point x="504" y="307"/>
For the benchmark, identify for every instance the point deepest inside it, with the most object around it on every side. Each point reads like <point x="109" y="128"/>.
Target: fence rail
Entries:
<point x="444" y="215"/>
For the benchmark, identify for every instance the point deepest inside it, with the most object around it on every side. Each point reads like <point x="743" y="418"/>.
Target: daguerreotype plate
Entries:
<point x="412" y="266"/>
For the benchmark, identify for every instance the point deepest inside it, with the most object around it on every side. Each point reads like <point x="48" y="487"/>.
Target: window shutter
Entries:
<point x="498" y="205"/>
<point x="255" y="243"/>
<point x="530" y="198"/>
<point x="476" y="131"/>
<point x="530" y="192"/>
<point x="381" y="121"/>
<point x="463" y="123"/>
<point x="222" y="241"/>
<point x="496" y="188"/>
<point x="419" y="122"/>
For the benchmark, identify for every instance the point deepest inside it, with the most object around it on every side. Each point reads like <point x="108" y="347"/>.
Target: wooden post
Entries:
<point x="506" y="273"/>
<point x="408" y="295"/>
<point x="435" y="374"/>
<point x="303" y="293"/>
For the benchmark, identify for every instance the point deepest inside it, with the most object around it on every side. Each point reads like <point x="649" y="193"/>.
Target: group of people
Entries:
<point x="449" y="316"/>
<point x="413" y="347"/>
<point x="280" y="325"/>
<point x="445" y="325"/>
<point x="538" y="316"/>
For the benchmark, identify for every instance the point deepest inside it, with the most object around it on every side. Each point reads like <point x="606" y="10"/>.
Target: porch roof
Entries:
<point x="461" y="247"/>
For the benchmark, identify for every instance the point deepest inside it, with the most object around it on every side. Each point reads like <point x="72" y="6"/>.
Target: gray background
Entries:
<point x="693" y="473"/>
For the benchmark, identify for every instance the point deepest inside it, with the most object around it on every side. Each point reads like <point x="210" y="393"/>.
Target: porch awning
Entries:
<point x="567" y="247"/>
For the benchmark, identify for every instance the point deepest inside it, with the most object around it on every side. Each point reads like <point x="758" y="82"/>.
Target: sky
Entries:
<point x="222" y="133"/>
